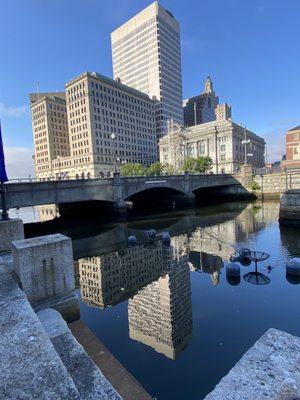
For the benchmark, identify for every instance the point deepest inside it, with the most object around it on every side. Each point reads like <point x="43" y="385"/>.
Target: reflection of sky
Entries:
<point x="27" y="214"/>
<point x="227" y="320"/>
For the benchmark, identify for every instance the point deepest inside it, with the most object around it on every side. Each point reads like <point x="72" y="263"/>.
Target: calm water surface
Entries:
<point x="169" y="314"/>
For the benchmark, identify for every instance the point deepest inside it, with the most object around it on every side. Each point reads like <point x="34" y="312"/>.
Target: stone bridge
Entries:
<point x="115" y="190"/>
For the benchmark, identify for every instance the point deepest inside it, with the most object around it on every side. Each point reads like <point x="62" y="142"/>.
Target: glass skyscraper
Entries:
<point x="147" y="56"/>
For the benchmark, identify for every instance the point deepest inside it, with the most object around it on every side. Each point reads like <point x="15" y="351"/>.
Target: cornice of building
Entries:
<point x="38" y="98"/>
<point x="109" y="81"/>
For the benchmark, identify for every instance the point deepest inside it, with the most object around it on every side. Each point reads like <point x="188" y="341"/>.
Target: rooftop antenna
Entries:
<point x="38" y="89"/>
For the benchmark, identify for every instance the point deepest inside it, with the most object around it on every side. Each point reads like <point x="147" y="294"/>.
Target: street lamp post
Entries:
<point x="113" y="138"/>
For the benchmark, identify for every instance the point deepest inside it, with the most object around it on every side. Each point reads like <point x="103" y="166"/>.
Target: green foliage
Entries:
<point x="255" y="186"/>
<point x="132" y="169"/>
<point x="155" y="169"/>
<point x="169" y="169"/>
<point x="197" y="165"/>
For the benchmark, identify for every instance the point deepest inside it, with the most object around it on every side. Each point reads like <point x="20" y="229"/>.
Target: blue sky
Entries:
<point x="251" y="49"/>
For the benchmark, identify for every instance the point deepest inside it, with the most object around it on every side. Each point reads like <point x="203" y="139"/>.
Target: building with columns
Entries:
<point x="221" y="140"/>
<point x="146" y="55"/>
<point x="292" y="143"/>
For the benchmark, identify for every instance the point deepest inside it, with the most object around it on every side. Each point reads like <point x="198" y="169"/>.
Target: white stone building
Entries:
<point x="89" y="131"/>
<point x="221" y="140"/>
<point x="146" y="55"/>
<point x="108" y="123"/>
<point x="50" y="130"/>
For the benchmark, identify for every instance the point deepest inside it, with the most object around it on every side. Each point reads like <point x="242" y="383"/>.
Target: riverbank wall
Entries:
<point x="40" y="356"/>
<point x="289" y="213"/>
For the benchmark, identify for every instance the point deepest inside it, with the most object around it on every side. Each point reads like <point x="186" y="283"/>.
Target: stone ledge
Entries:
<point x="267" y="371"/>
<point x="11" y="229"/>
<point x="29" y="366"/>
<point x="89" y="380"/>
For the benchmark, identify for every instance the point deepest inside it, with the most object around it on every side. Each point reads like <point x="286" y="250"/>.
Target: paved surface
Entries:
<point x="89" y="380"/>
<point x="269" y="370"/>
<point x="30" y="368"/>
<point x="119" y="377"/>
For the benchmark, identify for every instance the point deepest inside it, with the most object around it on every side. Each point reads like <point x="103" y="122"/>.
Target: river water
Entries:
<point x="168" y="313"/>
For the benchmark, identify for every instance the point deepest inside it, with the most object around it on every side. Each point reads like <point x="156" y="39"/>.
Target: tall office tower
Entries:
<point x="146" y="55"/>
<point x="50" y="130"/>
<point x="109" y="123"/>
<point x="200" y="109"/>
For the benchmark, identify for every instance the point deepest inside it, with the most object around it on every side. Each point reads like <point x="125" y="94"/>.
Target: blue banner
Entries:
<point x="3" y="176"/>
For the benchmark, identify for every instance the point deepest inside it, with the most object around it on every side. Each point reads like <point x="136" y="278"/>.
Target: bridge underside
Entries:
<point x="221" y="193"/>
<point x="156" y="198"/>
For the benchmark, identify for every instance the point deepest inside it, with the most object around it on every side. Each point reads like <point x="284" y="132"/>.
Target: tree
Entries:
<point x="204" y="164"/>
<point x="197" y="165"/>
<point x="169" y="169"/>
<point x="155" y="169"/>
<point x="132" y="169"/>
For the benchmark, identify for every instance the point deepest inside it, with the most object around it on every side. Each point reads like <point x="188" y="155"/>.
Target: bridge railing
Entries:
<point x="74" y="178"/>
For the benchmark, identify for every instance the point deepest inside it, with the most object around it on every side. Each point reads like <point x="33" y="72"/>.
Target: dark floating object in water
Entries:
<point x="132" y="241"/>
<point x="245" y="262"/>
<point x="166" y="239"/>
<point x="151" y="234"/>
<point x="292" y="279"/>
<point x="242" y="256"/>
<point x="233" y="280"/>
<point x="244" y="252"/>
<point x="256" y="278"/>
<point x="293" y="266"/>
<point x="233" y="273"/>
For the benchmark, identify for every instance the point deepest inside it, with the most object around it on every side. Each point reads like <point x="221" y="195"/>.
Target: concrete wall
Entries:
<point x="290" y="207"/>
<point x="276" y="183"/>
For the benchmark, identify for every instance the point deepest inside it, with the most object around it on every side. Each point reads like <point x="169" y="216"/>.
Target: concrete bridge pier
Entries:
<point x="119" y="205"/>
<point x="120" y="208"/>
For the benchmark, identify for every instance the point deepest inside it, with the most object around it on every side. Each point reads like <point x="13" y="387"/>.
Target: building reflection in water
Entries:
<point x="160" y="314"/>
<point x="113" y="277"/>
<point x="46" y="213"/>
<point x="156" y="279"/>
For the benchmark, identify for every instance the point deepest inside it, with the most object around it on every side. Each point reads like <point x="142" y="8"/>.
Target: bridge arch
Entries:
<point x="163" y="190"/>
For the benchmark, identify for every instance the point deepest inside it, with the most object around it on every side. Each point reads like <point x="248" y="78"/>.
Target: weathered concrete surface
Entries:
<point x="7" y="261"/>
<point x="89" y="380"/>
<point x="29" y="366"/>
<point x="44" y="266"/>
<point x="10" y="230"/>
<point x="290" y="207"/>
<point x="67" y="305"/>
<point x="269" y="370"/>
<point x="120" y="378"/>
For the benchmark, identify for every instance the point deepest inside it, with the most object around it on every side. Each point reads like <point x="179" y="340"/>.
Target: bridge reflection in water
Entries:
<point x="155" y="279"/>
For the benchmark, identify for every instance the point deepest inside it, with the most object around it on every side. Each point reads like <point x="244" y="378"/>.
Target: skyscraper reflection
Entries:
<point x="160" y="314"/>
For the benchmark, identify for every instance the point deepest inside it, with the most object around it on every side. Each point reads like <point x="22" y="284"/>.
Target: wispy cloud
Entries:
<point x="19" y="163"/>
<point x="14" y="112"/>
